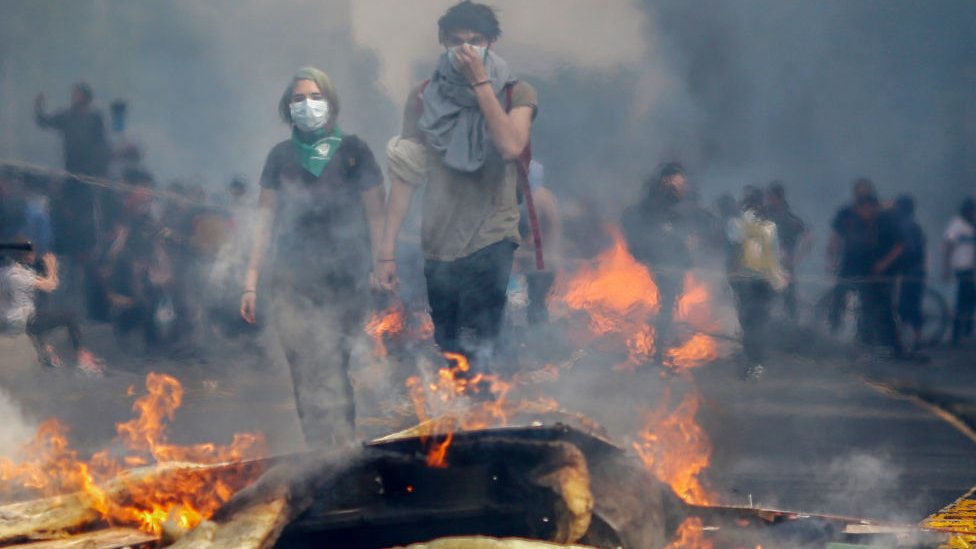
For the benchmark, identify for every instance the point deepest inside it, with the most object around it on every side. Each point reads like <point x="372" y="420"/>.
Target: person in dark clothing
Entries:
<point x="879" y="307"/>
<point x="843" y="259"/>
<point x="911" y="268"/>
<point x="135" y="269"/>
<point x="86" y="153"/>
<point x="959" y="259"/>
<point x="322" y="195"/>
<point x="85" y="145"/>
<point x="794" y="240"/>
<point x="873" y="243"/>
<point x="661" y="230"/>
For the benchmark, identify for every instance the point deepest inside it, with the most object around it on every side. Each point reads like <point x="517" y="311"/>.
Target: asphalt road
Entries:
<point x="821" y="431"/>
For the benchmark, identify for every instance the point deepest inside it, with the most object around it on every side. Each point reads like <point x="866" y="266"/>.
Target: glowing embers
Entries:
<point x="177" y="488"/>
<point x="676" y="449"/>
<point x="621" y="301"/>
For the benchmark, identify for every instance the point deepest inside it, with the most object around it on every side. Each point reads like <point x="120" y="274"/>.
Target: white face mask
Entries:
<point x="310" y="114"/>
<point x="452" y="53"/>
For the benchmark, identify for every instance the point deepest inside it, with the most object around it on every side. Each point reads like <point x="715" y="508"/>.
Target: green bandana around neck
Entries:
<point x="315" y="155"/>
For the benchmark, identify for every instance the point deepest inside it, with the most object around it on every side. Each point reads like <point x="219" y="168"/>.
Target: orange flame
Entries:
<point x="382" y="325"/>
<point x="690" y="535"/>
<point x="437" y="455"/>
<point x="425" y="325"/>
<point x="621" y="300"/>
<point x="676" y="449"/>
<point x="447" y="399"/>
<point x="698" y="350"/>
<point x="694" y="309"/>
<point x="393" y="324"/>
<point x="49" y="466"/>
<point x="693" y="304"/>
<point x="619" y="297"/>
<point x="615" y="287"/>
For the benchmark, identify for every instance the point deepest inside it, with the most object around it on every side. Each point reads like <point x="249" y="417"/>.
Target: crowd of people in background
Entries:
<point x="162" y="264"/>
<point x="876" y="253"/>
<point x="110" y="245"/>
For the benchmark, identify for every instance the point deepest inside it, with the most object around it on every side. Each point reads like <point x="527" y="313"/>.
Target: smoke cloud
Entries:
<point x="16" y="429"/>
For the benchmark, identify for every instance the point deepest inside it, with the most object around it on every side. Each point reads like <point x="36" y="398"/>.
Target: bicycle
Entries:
<point x="935" y="315"/>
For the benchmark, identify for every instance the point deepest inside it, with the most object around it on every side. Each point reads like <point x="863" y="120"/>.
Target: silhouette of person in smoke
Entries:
<point x="662" y="230"/>
<point x="841" y="256"/>
<point x="872" y="245"/>
<point x="911" y="268"/>
<point x="86" y="153"/>
<point x="794" y="240"/>
<point x="322" y="196"/>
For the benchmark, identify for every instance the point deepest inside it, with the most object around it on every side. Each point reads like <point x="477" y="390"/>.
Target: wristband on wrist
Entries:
<point x="250" y="291"/>
<point x="480" y="83"/>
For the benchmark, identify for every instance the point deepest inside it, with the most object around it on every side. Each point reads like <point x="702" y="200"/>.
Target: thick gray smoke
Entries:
<point x="17" y="429"/>
<point x="202" y="79"/>
<point x="814" y="93"/>
<point x="818" y="93"/>
<point x="742" y="92"/>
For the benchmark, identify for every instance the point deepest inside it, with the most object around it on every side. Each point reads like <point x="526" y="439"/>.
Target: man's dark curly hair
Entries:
<point x="470" y="16"/>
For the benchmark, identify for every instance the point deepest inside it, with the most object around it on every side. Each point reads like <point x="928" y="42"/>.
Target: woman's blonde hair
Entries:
<point x="325" y="86"/>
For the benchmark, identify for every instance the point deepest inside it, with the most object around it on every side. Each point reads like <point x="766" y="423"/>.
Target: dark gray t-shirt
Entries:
<point x="321" y="234"/>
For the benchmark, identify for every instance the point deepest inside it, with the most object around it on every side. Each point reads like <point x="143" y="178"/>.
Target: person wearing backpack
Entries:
<point x="755" y="274"/>
<point x="464" y="131"/>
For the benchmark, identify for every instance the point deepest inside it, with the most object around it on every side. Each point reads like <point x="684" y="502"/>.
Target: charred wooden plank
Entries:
<point x="53" y="517"/>
<point x="43" y="518"/>
<point x="109" y="538"/>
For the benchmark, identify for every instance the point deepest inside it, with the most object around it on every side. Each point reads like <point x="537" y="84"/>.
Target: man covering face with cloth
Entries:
<point x="463" y="131"/>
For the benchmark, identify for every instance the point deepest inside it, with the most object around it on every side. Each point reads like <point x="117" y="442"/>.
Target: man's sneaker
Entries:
<point x="754" y="372"/>
<point x="91" y="365"/>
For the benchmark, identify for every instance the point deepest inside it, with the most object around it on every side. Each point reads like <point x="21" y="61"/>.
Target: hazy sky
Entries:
<point x="742" y="91"/>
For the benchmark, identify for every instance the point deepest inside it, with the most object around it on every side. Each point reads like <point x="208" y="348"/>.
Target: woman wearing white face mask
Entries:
<point x="322" y="197"/>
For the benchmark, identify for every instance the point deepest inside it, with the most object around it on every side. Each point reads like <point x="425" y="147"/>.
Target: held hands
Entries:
<point x="384" y="279"/>
<point x="470" y="64"/>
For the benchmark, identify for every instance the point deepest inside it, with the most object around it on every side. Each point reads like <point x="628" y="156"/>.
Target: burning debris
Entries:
<point x="482" y="463"/>
<point x="619" y="299"/>
<point x="463" y="479"/>
<point x="179" y="484"/>
<point x="676" y="449"/>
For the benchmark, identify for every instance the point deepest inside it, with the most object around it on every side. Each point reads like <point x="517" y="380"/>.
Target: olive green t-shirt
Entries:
<point x="465" y="212"/>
